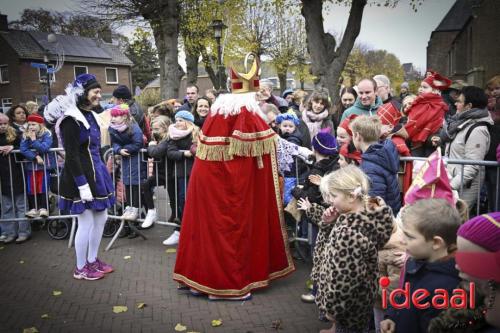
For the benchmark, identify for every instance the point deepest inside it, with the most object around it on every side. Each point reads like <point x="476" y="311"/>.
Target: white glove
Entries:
<point x="85" y="193"/>
<point x="304" y="153"/>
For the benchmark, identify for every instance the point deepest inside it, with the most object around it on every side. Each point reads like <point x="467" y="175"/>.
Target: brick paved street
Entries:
<point x="86" y="306"/>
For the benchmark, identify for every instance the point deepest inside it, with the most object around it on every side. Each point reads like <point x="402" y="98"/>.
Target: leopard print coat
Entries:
<point x="315" y="214"/>
<point x="347" y="282"/>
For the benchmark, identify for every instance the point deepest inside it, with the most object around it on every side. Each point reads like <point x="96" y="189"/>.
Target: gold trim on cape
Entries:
<point x="273" y="275"/>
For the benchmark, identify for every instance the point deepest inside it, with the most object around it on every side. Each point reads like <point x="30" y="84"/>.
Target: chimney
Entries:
<point x="105" y="34"/>
<point x="4" y="25"/>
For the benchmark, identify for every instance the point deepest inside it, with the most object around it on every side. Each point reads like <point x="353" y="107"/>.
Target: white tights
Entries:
<point x="88" y="235"/>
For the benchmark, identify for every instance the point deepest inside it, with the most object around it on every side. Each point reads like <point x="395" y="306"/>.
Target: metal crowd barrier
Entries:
<point x="488" y="171"/>
<point x="116" y="173"/>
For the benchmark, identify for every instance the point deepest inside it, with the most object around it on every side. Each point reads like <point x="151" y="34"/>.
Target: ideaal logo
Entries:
<point x="441" y="299"/>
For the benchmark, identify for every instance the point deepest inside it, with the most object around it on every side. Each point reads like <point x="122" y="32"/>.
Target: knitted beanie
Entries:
<point x="120" y="110"/>
<point x="483" y="230"/>
<point x="186" y="115"/>
<point x="36" y="118"/>
<point x="325" y="144"/>
<point x="122" y="92"/>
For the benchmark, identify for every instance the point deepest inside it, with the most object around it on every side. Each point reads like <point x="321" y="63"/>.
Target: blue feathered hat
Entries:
<point x="290" y="115"/>
<point x="87" y="81"/>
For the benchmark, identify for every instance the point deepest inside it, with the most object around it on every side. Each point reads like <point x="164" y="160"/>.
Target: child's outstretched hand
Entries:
<point x="39" y="160"/>
<point x="387" y="326"/>
<point x="330" y="215"/>
<point x="304" y="204"/>
<point x="315" y="179"/>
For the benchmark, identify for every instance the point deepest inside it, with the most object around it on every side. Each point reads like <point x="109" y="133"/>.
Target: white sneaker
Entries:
<point x="3" y="237"/>
<point x="173" y="239"/>
<point x="43" y="213"/>
<point x="126" y="213"/>
<point x="133" y="214"/>
<point x="150" y="218"/>
<point x="32" y="213"/>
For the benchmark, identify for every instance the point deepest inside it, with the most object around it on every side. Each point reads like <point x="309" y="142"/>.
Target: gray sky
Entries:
<point x="400" y="30"/>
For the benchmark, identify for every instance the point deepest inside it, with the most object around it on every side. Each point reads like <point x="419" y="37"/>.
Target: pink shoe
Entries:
<point x="101" y="266"/>
<point x="87" y="273"/>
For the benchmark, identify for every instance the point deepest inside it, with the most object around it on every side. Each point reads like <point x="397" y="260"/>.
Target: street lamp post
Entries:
<point x="47" y="72"/>
<point x="218" y="26"/>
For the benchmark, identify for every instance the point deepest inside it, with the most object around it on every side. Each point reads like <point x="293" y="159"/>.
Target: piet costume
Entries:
<point x="79" y="133"/>
<point x="233" y="238"/>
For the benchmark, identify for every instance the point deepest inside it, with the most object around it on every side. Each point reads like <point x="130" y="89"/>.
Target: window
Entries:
<point x="111" y="75"/>
<point x="4" y="74"/>
<point x="6" y="104"/>
<point x="80" y="70"/>
<point x="42" y="74"/>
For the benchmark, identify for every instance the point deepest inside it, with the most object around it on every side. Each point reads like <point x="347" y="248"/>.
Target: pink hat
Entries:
<point x="120" y="110"/>
<point x="484" y="231"/>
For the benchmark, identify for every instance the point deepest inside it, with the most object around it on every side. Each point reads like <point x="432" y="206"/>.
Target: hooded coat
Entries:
<point x="430" y="276"/>
<point x="348" y="271"/>
<point x="362" y="110"/>
<point x="475" y="148"/>
<point x="380" y="162"/>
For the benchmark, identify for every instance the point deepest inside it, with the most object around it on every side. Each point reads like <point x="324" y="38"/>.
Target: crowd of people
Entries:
<point x="340" y="174"/>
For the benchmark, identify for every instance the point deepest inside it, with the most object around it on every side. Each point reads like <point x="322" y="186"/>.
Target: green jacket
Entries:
<point x="360" y="110"/>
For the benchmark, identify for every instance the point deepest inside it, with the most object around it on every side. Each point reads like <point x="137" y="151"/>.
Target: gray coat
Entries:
<point x="475" y="148"/>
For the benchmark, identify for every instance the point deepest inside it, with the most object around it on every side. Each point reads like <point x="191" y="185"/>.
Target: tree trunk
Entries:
<point x="282" y="79"/>
<point x="192" y="68"/>
<point x="328" y="62"/>
<point x="165" y="25"/>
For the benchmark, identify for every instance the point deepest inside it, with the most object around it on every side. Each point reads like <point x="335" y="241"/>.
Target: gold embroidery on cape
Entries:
<point x="272" y="276"/>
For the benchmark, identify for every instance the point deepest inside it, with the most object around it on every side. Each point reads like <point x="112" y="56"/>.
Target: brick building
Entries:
<point x="465" y="44"/>
<point x="20" y="81"/>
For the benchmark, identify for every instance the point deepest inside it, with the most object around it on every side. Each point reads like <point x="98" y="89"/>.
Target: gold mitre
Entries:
<point x="243" y="83"/>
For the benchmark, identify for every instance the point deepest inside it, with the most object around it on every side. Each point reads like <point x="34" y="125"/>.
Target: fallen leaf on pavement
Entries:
<point x="171" y="251"/>
<point x="1" y="247"/>
<point x="119" y="308"/>
<point x="277" y="324"/>
<point x="30" y="330"/>
<point x="21" y="261"/>
<point x="216" y="322"/>
<point x="309" y="284"/>
<point x="56" y="292"/>
<point x="180" y="328"/>
<point x="141" y="305"/>
<point x="127" y="257"/>
<point x="45" y="316"/>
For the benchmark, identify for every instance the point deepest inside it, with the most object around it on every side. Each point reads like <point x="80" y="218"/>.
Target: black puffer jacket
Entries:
<point x="310" y="190"/>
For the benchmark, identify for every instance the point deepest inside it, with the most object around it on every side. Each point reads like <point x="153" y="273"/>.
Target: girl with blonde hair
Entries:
<point x="346" y="269"/>
<point x="35" y="146"/>
<point x="157" y="150"/>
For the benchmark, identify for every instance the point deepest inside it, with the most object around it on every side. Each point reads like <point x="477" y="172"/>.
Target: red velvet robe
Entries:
<point x="233" y="238"/>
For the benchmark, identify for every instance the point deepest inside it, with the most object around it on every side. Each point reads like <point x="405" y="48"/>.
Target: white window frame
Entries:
<point x="74" y="69"/>
<point x="106" y="74"/>
<point x="4" y="101"/>
<point x="1" y="79"/>
<point x="44" y="78"/>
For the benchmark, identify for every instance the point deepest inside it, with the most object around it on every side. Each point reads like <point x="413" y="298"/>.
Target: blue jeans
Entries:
<point x="12" y="210"/>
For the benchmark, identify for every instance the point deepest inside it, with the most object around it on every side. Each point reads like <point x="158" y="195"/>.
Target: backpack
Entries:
<point x="494" y="131"/>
